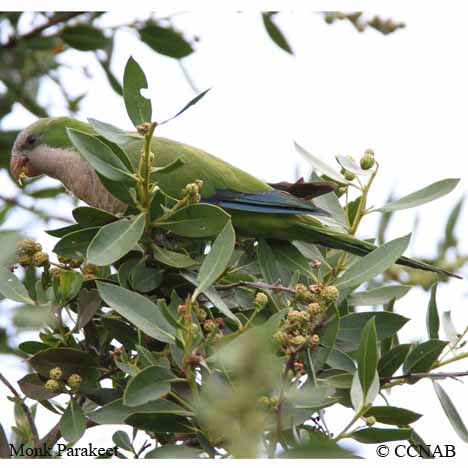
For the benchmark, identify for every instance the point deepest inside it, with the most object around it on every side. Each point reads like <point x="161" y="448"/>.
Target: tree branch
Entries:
<point x="57" y="19"/>
<point x="431" y="375"/>
<point x="45" y="216"/>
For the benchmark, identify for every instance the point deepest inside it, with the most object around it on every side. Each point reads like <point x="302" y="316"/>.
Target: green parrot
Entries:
<point x="259" y="210"/>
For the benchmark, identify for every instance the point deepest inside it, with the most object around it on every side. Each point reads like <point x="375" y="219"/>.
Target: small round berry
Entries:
<point x="370" y="421"/>
<point x="52" y="386"/>
<point x="367" y="160"/>
<point x="74" y="381"/>
<point x="209" y="326"/>
<point x="313" y="308"/>
<point x="314" y="340"/>
<point x="55" y="373"/>
<point x="40" y="259"/>
<point x="25" y="260"/>
<point x="329" y="293"/>
<point x="261" y="299"/>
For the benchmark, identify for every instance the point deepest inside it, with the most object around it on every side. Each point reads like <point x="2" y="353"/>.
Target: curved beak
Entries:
<point x="19" y="166"/>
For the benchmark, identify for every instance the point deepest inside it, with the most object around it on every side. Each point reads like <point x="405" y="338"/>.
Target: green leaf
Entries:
<point x="89" y="304"/>
<point x="70" y="360"/>
<point x="393" y="415"/>
<point x="423" y="356"/>
<point x="173" y="259"/>
<point x="196" y="221"/>
<point x="390" y="362"/>
<point x="84" y="37"/>
<point x="291" y="258"/>
<point x="70" y="284"/>
<point x="375" y="436"/>
<point x="432" y="316"/>
<point x="449" y="239"/>
<point x="116" y="412"/>
<point x="373" y="263"/>
<point x="114" y="134"/>
<point x="51" y="192"/>
<point x="217" y="259"/>
<point x="146" y="278"/>
<point x="138" y="310"/>
<point x="339" y="360"/>
<point x="161" y="423"/>
<point x="320" y="166"/>
<point x="174" y="451"/>
<point x="138" y="107"/>
<point x="351" y="325"/>
<point x="100" y="157"/>
<point x="75" y="244"/>
<point x="213" y="296"/>
<point x="114" y="240"/>
<point x="349" y="164"/>
<point x="367" y="355"/>
<point x="73" y="422"/>
<point x="122" y="440"/>
<point x="188" y="105"/>
<point x="420" y="197"/>
<point x="86" y="216"/>
<point x="168" y="168"/>
<point x="274" y="32"/>
<point x="33" y="387"/>
<point x="452" y="413"/>
<point x="165" y="40"/>
<point x="378" y="296"/>
<point x="12" y="288"/>
<point x="267" y="262"/>
<point x="8" y="241"/>
<point x="152" y="383"/>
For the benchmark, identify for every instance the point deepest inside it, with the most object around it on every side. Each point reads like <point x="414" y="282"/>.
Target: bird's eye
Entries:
<point x="31" y="140"/>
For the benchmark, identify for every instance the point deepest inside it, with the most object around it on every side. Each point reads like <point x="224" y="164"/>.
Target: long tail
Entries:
<point x="337" y="240"/>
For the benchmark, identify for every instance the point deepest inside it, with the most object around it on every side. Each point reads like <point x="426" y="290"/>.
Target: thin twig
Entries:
<point x="45" y="216"/>
<point x="187" y="76"/>
<point x="431" y="375"/>
<point x="257" y="285"/>
<point x="32" y="424"/>
<point x="57" y="19"/>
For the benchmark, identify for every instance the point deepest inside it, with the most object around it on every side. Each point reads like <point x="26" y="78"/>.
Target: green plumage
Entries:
<point x="246" y="198"/>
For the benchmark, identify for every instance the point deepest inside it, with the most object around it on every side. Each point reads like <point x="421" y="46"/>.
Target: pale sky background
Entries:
<point x="404" y="95"/>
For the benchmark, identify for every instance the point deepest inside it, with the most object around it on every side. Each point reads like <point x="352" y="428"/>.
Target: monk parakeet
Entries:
<point x="260" y="210"/>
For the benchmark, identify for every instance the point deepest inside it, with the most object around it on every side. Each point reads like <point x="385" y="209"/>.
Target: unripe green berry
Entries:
<point x="329" y="293"/>
<point x="261" y="299"/>
<point x="52" y="386"/>
<point x="74" y="381"/>
<point x="40" y="259"/>
<point x="367" y="160"/>
<point x="348" y="175"/>
<point x="55" y="373"/>
<point x="370" y="421"/>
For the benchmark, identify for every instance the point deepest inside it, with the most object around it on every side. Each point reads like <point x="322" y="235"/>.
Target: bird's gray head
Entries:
<point x="40" y="144"/>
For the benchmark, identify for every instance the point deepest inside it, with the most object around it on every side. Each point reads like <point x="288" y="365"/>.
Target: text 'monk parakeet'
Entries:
<point x="257" y="209"/>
